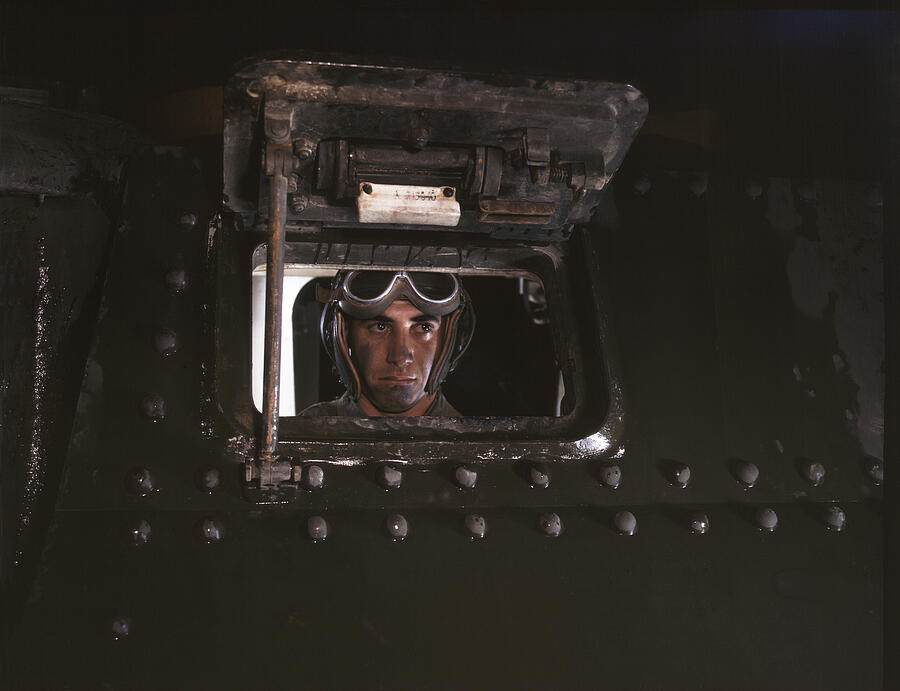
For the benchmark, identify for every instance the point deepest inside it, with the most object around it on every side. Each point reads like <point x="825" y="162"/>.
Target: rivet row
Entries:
<point x="212" y="530"/>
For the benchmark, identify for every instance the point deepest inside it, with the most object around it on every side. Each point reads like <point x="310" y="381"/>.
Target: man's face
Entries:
<point x="393" y="354"/>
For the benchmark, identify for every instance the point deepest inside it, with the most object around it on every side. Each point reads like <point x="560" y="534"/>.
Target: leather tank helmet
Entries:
<point x="366" y="294"/>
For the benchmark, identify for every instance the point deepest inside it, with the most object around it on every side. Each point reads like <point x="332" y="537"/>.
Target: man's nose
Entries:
<point x="400" y="352"/>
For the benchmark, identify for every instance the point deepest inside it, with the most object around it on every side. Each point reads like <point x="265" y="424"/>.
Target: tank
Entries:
<point x="667" y="474"/>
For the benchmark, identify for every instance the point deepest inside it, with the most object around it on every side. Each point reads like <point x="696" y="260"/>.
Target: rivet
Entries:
<point x="397" y="526"/>
<point x="679" y="474"/>
<point x="611" y="476"/>
<point x="767" y="519"/>
<point x="154" y="407"/>
<point x="317" y="528"/>
<point x="165" y="342"/>
<point x="367" y="188"/>
<point x="699" y="523"/>
<point x="551" y="524"/>
<point x="212" y="530"/>
<point x="874" y="470"/>
<point x="625" y="522"/>
<point x="188" y="220"/>
<point x="447" y="191"/>
<point x="808" y="192"/>
<point x="835" y="518"/>
<point x="753" y="189"/>
<point x="813" y="472"/>
<point x="476" y="525"/>
<point x="208" y="478"/>
<point x="642" y="185"/>
<point x="121" y="627"/>
<point x="539" y="475"/>
<point x="746" y="473"/>
<point x="176" y="280"/>
<point x="465" y="476"/>
<point x="389" y="477"/>
<point x="141" y="533"/>
<point x="698" y="185"/>
<point x="140" y="481"/>
<point x="313" y="477"/>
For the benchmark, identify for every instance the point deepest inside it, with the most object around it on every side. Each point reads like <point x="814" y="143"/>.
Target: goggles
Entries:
<point x="366" y="294"/>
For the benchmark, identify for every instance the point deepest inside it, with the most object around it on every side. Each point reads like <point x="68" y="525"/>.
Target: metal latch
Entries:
<point x="509" y="211"/>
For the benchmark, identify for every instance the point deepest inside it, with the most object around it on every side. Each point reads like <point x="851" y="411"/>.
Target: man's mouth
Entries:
<point x="398" y="379"/>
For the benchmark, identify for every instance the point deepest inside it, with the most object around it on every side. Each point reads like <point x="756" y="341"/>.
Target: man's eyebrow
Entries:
<point x="425" y="318"/>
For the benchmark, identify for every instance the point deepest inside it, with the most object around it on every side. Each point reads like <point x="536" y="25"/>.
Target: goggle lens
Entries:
<point x="433" y="286"/>
<point x="370" y="285"/>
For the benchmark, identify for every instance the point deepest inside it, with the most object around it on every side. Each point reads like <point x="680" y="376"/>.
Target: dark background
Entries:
<point x="795" y="91"/>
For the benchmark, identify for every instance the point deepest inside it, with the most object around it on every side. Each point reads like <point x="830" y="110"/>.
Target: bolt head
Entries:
<point x="367" y="188"/>
<point x="699" y="523"/>
<point x="753" y="189"/>
<point x="120" y="628"/>
<point x="188" y="220"/>
<point x="304" y="149"/>
<point x="550" y="524"/>
<point x="313" y="477"/>
<point x="389" y="476"/>
<point x="835" y="518"/>
<point x="642" y="185"/>
<point x="277" y="129"/>
<point x="476" y="525"/>
<point x="539" y="475"/>
<point x="212" y="530"/>
<point x="176" y="280"/>
<point x="165" y="342"/>
<point x="746" y="473"/>
<point x="419" y="135"/>
<point x="813" y="472"/>
<point x="154" y="408"/>
<point x="680" y="475"/>
<point x="298" y="202"/>
<point x="767" y="519"/>
<point x="625" y="522"/>
<point x="317" y="528"/>
<point x="208" y="478"/>
<point x="465" y="476"/>
<point x="141" y="533"/>
<point x="140" y="481"/>
<point x="611" y="476"/>
<point x="874" y="470"/>
<point x="397" y="527"/>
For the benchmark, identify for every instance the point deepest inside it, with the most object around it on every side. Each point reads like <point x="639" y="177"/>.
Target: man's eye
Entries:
<point x="378" y="326"/>
<point x="426" y="327"/>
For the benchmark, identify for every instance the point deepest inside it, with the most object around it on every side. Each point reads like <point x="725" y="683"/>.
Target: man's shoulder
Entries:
<point x="342" y="406"/>
<point x="442" y="408"/>
<point x="346" y="406"/>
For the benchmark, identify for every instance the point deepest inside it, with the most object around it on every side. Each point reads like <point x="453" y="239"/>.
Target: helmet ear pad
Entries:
<point x="334" y="330"/>
<point x="457" y="329"/>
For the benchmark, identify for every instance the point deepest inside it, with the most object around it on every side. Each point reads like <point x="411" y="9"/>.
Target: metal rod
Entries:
<point x="278" y="186"/>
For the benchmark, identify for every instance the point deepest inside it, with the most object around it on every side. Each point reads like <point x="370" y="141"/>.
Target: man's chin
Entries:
<point x="395" y="402"/>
